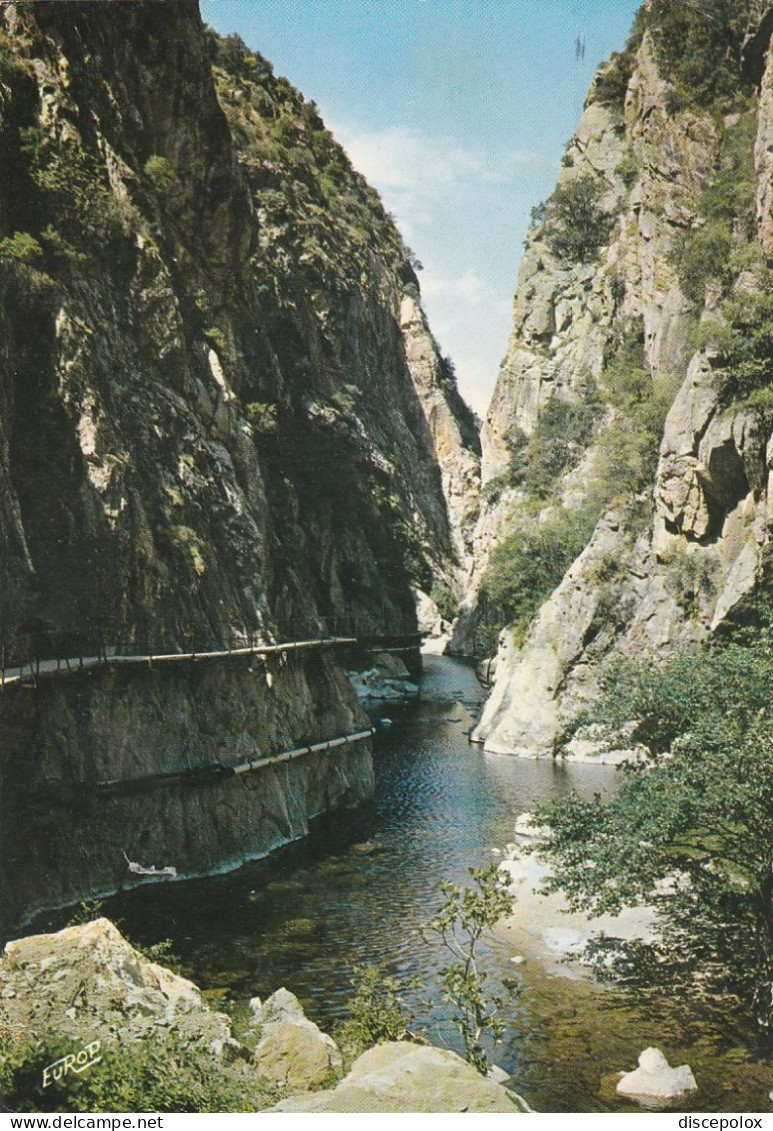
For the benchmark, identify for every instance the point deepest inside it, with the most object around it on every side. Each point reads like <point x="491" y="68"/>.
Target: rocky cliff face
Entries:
<point x="635" y="388"/>
<point x="222" y="415"/>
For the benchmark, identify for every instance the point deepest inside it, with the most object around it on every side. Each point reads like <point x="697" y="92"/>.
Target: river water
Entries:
<point x="359" y="888"/>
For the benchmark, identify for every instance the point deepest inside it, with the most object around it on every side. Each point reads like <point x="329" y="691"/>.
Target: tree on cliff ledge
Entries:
<point x="691" y="830"/>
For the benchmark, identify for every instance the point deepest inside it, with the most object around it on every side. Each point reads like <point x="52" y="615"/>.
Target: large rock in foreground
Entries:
<point x="89" y="980"/>
<point x="293" y="1053"/>
<point x="400" y="1076"/>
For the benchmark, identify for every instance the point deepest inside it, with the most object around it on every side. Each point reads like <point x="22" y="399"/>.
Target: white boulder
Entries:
<point x="655" y="1079"/>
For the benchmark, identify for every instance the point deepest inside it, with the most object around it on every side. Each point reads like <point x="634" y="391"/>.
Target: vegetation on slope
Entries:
<point x="698" y="48"/>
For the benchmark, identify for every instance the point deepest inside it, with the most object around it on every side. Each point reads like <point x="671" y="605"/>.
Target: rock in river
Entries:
<point x="655" y="1079"/>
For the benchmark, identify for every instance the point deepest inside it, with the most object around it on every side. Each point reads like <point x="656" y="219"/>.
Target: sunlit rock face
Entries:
<point x="684" y="554"/>
<point x="222" y="415"/>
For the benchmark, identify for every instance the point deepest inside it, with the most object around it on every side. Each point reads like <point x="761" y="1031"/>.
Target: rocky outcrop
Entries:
<point x="684" y="553"/>
<point x="88" y="982"/>
<point x="293" y="1053"/>
<point x="222" y="417"/>
<point x="400" y="1076"/>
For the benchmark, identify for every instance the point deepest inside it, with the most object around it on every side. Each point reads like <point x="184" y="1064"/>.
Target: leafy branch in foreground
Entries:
<point x="691" y="830"/>
<point x="461" y="923"/>
<point x="378" y="1011"/>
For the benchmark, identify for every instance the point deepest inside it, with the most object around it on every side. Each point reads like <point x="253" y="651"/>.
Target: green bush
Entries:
<point x="748" y="358"/>
<point x="628" y="169"/>
<point x="11" y="65"/>
<point x="460" y="924"/>
<point x="698" y="48"/>
<point x="725" y="217"/>
<point x="711" y="334"/>
<point x="164" y="1074"/>
<point x="86" y="912"/>
<point x="577" y="225"/>
<point x="703" y="255"/>
<point x="161" y="175"/>
<point x="539" y="215"/>
<point x="611" y="83"/>
<point x="563" y="432"/>
<point x="75" y="189"/>
<point x="627" y="450"/>
<point x="216" y="338"/>
<point x="699" y="808"/>
<point x="689" y="578"/>
<point x="626" y="379"/>
<point x="263" y="417"/>
<point x="376" y="1013"/>
<point x="528" y="564"/>
<point x="21" y="247"/>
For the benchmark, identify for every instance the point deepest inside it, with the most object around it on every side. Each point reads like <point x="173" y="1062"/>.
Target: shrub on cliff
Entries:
<point x="577" y="226"/>
<point x="528" y="564"/>
<point x="698" y="48"/>
<point x="610" y="85"/>
<point x="626" y="453"/>
<point x="716" y="247"/>
<point x="377" y="1012"/>
<point x="446" y="600"/>
<point x="563" y="432"/>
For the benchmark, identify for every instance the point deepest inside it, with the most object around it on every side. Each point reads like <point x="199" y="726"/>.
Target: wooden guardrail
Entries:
<point x="36" y="668"/>
<point x="40" y="658"/>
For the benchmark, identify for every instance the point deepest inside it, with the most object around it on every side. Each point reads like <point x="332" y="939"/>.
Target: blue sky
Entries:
<point x="458" y="112"/>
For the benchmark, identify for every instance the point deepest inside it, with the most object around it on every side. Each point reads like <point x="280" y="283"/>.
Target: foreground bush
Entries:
<point x="165" y="1075"/>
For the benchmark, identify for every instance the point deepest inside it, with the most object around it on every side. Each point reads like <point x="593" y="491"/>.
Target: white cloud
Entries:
<point x="472" y="322"/>
<point x="414" y="172"/>
<point x="436" y="185"/>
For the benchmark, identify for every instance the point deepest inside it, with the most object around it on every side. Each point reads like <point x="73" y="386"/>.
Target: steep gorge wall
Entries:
<point x="681" y="539"/>
<point x="222" y="415"/>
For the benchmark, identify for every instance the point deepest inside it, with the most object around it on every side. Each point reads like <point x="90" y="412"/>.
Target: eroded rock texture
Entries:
<point x="686" y="552"/>
<point x="222" y="415"/>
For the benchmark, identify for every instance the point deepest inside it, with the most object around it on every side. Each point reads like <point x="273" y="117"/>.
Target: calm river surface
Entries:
<point x="364" y="884"/>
